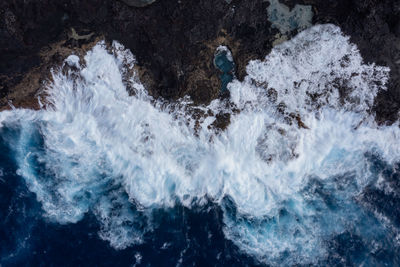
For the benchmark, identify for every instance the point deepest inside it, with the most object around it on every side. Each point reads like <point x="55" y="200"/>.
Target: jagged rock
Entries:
<point x="174" y="41"/>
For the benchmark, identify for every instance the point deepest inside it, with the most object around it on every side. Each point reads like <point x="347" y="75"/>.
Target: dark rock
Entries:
<point x="174" y="41"/>
<point x="138" y="3"/>
<point x="374" y="27"/>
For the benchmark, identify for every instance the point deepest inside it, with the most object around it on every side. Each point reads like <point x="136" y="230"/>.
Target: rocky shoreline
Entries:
<point x="175" y="41"/>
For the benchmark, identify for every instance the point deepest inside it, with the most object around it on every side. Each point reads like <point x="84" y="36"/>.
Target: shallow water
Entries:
<point x="223" y="61"/>
<point x="298" y="177"/>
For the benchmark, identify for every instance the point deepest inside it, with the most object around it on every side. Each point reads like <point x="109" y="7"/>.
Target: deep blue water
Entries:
<point x="29" y="239"/>
<point x="181" y="236"/>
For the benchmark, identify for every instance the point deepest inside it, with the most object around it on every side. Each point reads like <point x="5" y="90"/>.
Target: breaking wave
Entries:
<point x="288" y="171"/>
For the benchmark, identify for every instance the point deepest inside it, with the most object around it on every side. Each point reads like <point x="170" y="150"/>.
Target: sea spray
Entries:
<point x="286" y="172"/>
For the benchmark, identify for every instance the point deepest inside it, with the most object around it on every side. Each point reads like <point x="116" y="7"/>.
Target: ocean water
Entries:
<point x="104" y="174"/>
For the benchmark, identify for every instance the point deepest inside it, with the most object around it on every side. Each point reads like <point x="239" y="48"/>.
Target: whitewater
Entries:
<point x="288" y="172"/>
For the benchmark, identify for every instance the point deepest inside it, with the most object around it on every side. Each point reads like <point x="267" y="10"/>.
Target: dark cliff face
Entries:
<point x="174" y="41"/>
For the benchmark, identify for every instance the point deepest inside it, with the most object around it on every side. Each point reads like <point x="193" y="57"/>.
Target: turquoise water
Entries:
<point x="226" y="67"/>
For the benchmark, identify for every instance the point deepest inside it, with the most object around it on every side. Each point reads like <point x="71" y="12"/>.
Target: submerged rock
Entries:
<point x="286" y="19"/>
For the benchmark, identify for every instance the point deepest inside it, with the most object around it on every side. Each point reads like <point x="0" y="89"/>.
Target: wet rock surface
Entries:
<point x="175" y="41"/>
<point x="375" y="27"/>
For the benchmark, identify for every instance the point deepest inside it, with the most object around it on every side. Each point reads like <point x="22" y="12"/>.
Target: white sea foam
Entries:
<point x="224" y="49"/>
<point x="303" y="122"/>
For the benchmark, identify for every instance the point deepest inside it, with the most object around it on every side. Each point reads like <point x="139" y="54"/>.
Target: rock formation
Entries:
<point x="175" y="40"/>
